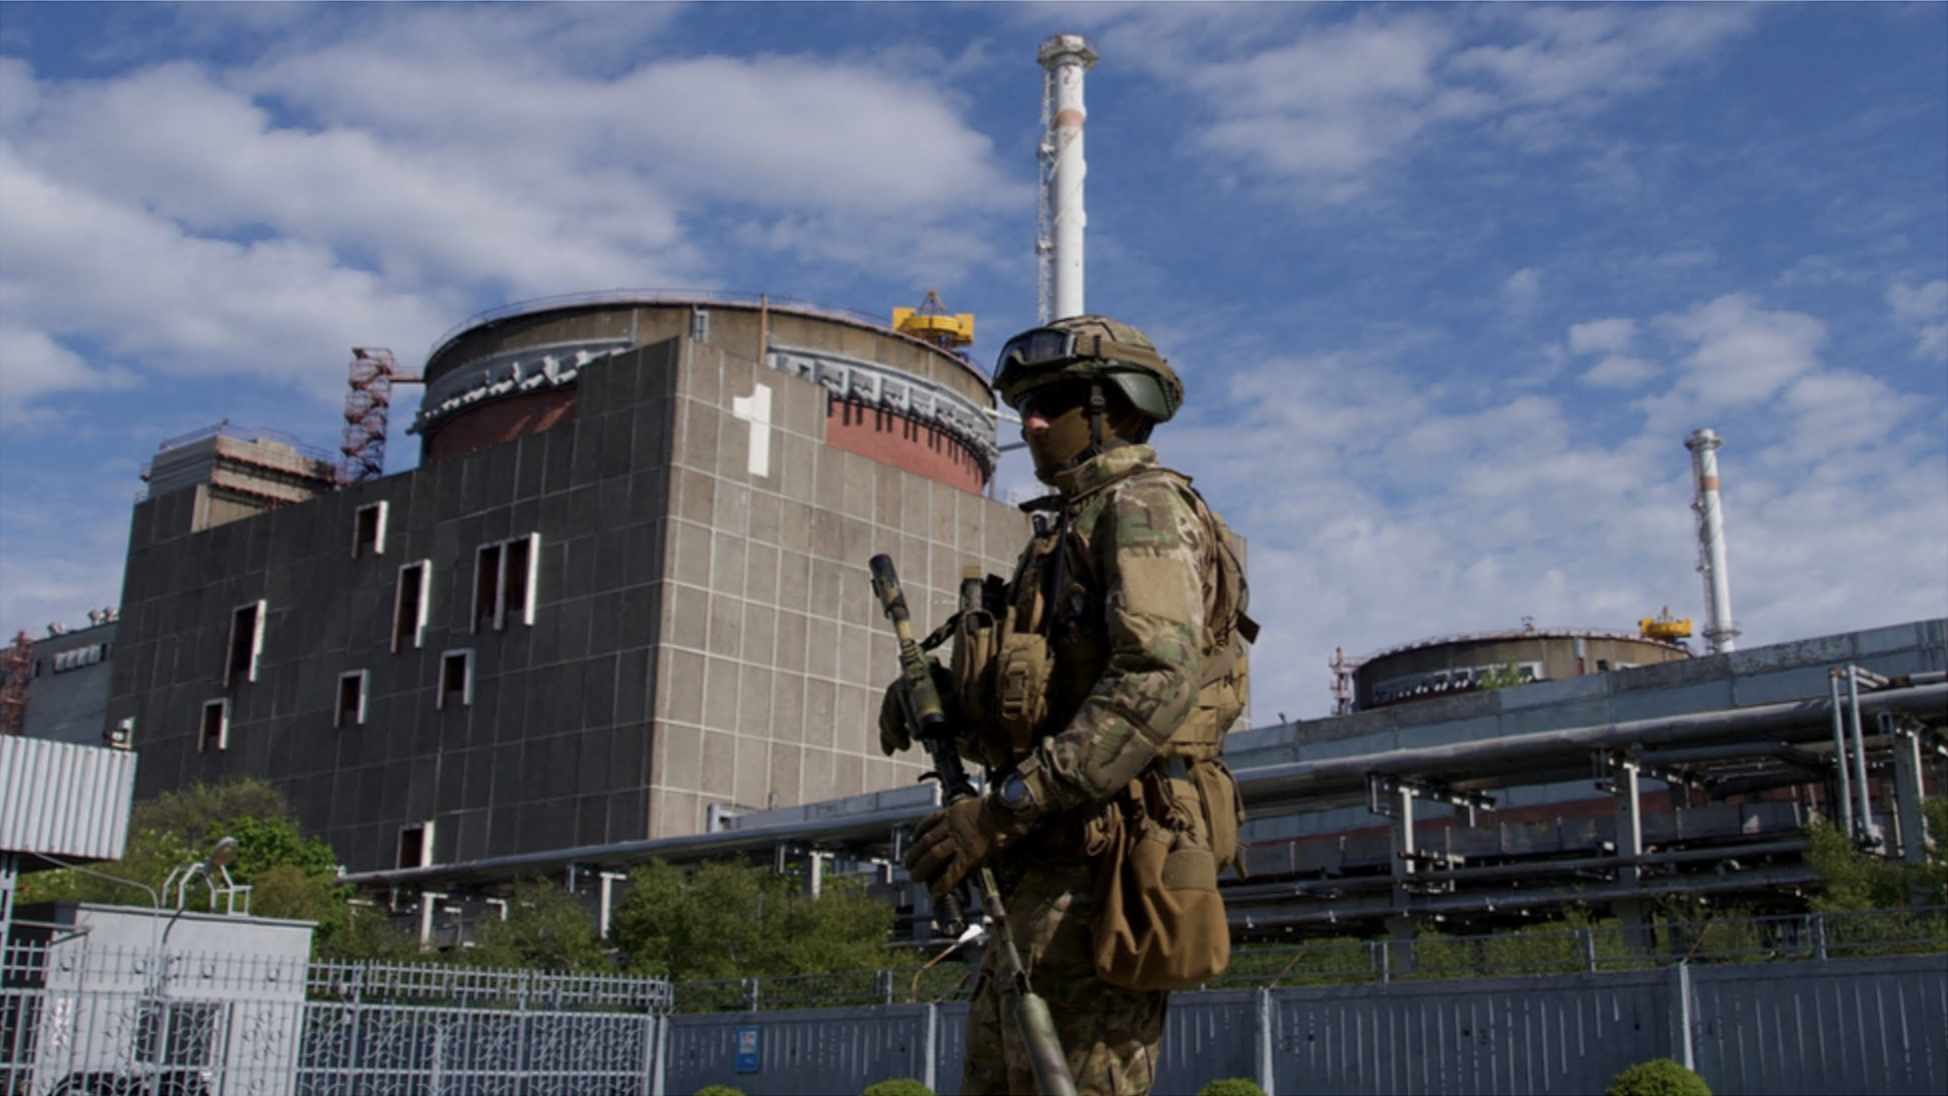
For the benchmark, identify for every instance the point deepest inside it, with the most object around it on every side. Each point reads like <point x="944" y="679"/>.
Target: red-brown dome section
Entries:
<point x="894" y="398"/>
<point x="504" y="420"/>
<point x="905" y="443"/>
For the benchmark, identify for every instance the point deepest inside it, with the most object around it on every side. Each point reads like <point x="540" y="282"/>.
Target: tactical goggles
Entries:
<point x="1042" y="346"/>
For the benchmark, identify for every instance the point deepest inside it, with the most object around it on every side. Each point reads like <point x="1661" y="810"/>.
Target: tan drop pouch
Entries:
<point x="1021" y="669"/>
<point x="1158" y="922"/>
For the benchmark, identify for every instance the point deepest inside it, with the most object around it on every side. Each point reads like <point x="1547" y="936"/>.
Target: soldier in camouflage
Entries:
<point x="1116" y="628"/>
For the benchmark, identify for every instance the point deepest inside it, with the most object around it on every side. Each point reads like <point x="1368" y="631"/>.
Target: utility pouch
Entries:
<point x="1158" y="921"/>
<point x="977" y="640"/>
<point x="1021" y="669"/>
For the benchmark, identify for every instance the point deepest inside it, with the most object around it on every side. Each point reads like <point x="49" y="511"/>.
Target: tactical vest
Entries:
<point x="1028" y="657"/>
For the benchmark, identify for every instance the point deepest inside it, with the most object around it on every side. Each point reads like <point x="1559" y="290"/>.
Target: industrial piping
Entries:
<point x="1315" y="785"/>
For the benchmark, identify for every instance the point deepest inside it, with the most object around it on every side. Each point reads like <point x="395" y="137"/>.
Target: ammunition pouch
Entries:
<point x="1021" y="672"/>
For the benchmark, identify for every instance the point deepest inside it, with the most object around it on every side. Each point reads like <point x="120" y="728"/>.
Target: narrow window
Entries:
<point x="415" y="845"/>
<point x="504" y="582"/>
<point x="519" y="558"/>
<point x="487" y="588"/>
<point x="456" y="679"/>
<point x="215" y="734"/>
<point x="700" y="325"/>
<point x="369" y="530"/>
<point x="351" y="700"/>
<point x="409" y="606"/>
<point x="246" y="644"/>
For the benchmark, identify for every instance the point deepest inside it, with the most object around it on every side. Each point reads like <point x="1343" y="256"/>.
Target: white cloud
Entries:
<point x="1612" y="335"/>
<point x="1327" y="104"/>
<point x="1620" y="371"/>
<point x="1521" y="290"/>
<point x="1924" y="313"/>
<point x="1611" y="338"/>
<point x="1745" y="354"/>
<point x="35" y="365"/>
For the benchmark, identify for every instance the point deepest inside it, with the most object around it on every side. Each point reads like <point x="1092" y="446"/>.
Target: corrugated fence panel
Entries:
<point x="1208" y="1036"/>
<point x="1568" y="1034"/>
<point x="806" y="1052"/>
<point x="950" y="1047"/>
<point x="63" y="799"/>
<point x="1864" y="1025"/>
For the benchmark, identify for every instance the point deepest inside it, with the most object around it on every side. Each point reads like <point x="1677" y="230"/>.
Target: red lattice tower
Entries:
<point x="373" y="373"/>
<point x="16" y="670"/>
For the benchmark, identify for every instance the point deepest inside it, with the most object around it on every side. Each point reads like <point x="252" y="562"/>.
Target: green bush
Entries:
<point x="1231" y="1086"/>
<point x="897" y="1086"/>
<point x="719" y="1090"/>
<point x="1658" y="1077"/>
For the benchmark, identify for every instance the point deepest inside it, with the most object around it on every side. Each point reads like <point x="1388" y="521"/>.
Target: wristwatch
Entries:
<point x="1013" y="793"/>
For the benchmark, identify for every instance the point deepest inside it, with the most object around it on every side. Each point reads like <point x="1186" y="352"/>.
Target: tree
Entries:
<point x="546" y="929"/>
<point x="290" y="875"/>
<point x="727" y="920"/>
<point x="1852" y="880"/>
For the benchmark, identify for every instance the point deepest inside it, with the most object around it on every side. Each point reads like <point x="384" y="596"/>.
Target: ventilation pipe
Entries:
<point x="1720" y="633"/>
<point x="1064" y="58"/>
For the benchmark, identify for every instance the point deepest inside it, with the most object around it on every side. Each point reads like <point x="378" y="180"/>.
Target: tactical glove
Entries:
<point x="950" y="843"/>
<point x="894" y="735"/>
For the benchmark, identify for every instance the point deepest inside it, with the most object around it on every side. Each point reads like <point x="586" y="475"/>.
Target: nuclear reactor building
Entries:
<point x="623" y="595"/>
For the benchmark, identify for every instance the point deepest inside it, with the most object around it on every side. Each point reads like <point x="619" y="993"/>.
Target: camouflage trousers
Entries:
<point x="1111" y="1035"/>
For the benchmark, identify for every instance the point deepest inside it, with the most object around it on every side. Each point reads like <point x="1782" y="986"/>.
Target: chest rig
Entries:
<point x="1029" y="652"/>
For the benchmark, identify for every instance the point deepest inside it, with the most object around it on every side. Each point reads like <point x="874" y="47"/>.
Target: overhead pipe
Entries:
<point x="1868" y="831"/>
<point x="1842" y="758"/>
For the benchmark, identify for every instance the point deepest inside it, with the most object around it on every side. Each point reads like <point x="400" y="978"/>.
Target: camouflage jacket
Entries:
<point x="1127" y="632"/>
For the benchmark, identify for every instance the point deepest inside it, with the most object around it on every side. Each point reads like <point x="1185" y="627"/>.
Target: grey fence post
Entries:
<point x="656" y="1039"/>
<point x="751" y="994"/>
<point x="1386" y="960"/>
<point x="1819" y="936"/>
<point x="1589" y="947"/>
<point x="1680" y="990"/>
<point x="1266" y="1034"/>
<point x="929" y="1064"/>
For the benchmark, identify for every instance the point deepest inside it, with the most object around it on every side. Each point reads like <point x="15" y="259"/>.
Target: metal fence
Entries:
<point x="1591" y="949"/>
<point x="1775" y="1005"/>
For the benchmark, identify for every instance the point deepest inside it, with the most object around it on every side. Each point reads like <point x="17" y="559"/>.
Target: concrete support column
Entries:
<point x="1627" y="786"/>
<point x="1400" y="927"/>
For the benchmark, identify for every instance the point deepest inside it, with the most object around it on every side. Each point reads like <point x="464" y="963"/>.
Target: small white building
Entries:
<point x="199" y="1002"/>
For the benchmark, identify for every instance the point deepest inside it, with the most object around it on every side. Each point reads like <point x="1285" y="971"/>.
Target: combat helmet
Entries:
<point x="1089" y="348"/>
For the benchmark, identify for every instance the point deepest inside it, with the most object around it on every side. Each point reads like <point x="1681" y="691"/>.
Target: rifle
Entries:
<point x="926" y="720"/>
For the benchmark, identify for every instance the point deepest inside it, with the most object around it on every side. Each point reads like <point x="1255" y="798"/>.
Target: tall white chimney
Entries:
<point x="1064" y="59"/>
<point x="1720" y="633"/>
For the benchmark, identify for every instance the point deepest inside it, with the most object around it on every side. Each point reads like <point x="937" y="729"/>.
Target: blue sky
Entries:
<point x="1448" y="285"/>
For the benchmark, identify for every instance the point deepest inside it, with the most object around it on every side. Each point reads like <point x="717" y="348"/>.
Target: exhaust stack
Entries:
<point x="1058" y="246"/>
<point x="1720" y="633"/>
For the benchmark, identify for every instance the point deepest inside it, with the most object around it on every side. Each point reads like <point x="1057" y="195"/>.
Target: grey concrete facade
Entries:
<point x="695" y="632"/>
<point x="67" y="694"/>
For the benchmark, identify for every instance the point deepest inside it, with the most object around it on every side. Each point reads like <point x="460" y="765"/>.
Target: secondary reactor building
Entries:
<point x="624" y="592"/>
